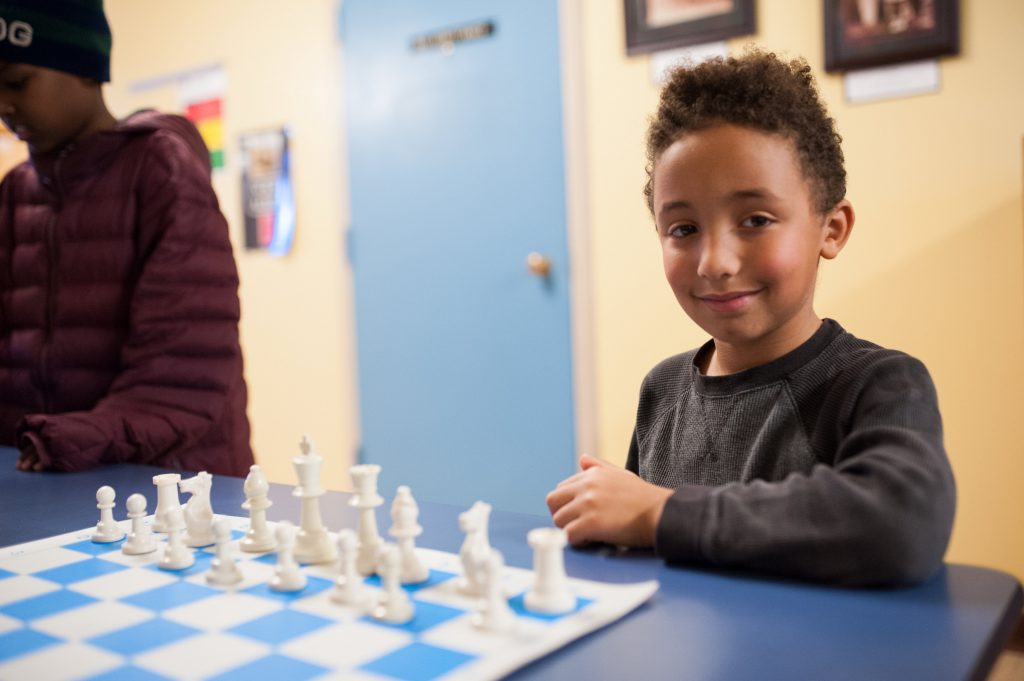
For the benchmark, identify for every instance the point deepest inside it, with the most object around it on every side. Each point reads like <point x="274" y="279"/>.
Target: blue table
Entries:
<point x="701" y="624"/>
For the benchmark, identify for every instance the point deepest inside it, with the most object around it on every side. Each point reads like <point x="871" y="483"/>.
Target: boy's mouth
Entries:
<point x="728" y="302"/>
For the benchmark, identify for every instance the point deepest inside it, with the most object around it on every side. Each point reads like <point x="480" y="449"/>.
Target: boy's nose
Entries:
<point x="719" y="257"/>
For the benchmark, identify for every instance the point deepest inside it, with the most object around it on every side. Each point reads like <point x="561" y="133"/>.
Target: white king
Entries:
<point x="313" y="544"/>
<point x="307" y="469"/>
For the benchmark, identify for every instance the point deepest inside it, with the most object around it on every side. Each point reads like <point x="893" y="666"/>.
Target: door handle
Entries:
<point x="538" y="264"/>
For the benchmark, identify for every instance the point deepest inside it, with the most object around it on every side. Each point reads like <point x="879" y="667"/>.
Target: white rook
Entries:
<point x="166" y="499"/>
<point x="366" y="499"/>
<point x="550" y="592"/>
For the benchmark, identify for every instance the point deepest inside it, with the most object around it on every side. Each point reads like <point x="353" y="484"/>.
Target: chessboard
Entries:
<point x="71" y="608"/>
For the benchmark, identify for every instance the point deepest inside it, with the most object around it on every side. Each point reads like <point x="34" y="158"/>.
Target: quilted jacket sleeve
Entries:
<point x="181" y="353"/>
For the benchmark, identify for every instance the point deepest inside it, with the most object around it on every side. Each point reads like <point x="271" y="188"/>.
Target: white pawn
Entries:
<point x="287" y="575"/>
<point x="550" y="593"/>
<point x="495" y="613"/>
<point x="405" y="529"/>
<point x="349" y="588"/>
<point x="224" y="571"/>
<point x="176" y="556"/>
<point x="396" y="606"/>
<point x="107" y="529"/>
<point x="140" y="539"/>
<point x="258" y="537"/>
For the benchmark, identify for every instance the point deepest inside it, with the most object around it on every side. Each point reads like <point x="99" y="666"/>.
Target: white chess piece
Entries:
<point x="198" y="511"/>
<point x="395" y="607"/>
<point x="176" y="555"/>
<point x="476" y="548"/>
<point x="349" y="588"/>
<point x="107" y="529"/>
<point x="405" y="529"/>
<point x="287" y="575"/>
<point x="140" y="538"/>
<point x="495" y="614"/>
<point x="366" y="499"/>
<point x="224" y="571"/>
<point x="258" y="537"/>
<point x="550" y="593"/>
<point x="313" y="544"/>
<point x="166" y="498"/>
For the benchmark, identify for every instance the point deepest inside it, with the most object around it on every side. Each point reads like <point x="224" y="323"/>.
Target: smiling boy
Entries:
<point x="785" y="444"/>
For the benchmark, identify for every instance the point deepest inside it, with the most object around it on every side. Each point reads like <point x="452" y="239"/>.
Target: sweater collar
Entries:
<point x="771" y="372"/>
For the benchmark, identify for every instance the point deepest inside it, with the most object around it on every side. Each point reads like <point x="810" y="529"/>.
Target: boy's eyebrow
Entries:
<point x="672" y="205"/>
<point x="752" y="193"/>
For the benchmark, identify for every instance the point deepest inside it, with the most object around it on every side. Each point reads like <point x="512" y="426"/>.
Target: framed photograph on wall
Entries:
<point x="653" y="25"/>
<point x="863" y="33"/>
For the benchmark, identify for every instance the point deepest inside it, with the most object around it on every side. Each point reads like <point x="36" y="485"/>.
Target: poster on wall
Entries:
<point x="201" y="94"/>
<point x="267" y="195"/>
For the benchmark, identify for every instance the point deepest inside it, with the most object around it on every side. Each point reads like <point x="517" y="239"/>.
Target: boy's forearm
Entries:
<point x="884" y="526"/>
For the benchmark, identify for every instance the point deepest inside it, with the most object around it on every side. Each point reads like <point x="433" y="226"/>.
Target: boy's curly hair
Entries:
<point x="760" y="91"/>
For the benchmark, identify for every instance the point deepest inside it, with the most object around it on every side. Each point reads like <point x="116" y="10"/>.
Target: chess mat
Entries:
<point x="74" y="609"/>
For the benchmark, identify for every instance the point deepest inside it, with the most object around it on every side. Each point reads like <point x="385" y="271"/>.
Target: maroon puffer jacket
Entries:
<point x="119" y="305"/>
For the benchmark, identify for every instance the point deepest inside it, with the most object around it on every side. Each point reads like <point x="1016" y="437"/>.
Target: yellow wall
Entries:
<point x="283" y="68"/>
<point x="934" y="266"/>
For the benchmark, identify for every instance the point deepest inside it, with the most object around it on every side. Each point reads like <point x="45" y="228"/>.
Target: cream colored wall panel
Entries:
<point x="283" y="68"/>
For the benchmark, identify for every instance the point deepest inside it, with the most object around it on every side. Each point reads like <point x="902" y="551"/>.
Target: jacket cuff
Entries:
<point x="27" y="438"/>
<point x="678" y="535"/>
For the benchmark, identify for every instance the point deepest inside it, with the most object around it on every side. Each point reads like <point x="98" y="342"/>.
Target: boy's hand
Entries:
<point x="29" y="459"/>
<point x="608" y="504"/>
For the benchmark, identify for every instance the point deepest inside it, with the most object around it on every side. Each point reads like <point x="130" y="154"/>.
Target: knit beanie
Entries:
<point x="67" y="35"/>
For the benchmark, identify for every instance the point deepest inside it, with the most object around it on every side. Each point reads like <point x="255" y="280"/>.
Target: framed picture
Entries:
<point x="653" y="25"/>
<point x="862" y="33"/>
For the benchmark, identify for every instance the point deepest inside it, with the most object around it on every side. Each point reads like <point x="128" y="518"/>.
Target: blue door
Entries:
<point x="457" y="174"/>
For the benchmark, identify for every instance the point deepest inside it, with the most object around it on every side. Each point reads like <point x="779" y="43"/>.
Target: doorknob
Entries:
<point x="538" y="264"/>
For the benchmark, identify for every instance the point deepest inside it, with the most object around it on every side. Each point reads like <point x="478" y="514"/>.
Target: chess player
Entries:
<point x="784" y="444"/>
<point x="118" y="288"/>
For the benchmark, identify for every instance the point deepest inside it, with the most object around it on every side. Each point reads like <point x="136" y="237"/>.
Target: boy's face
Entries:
<point x="739" y="234"/>
<point x="45" y="108"/>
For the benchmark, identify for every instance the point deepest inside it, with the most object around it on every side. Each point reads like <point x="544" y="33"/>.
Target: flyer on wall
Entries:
<point x="267" y="194"/>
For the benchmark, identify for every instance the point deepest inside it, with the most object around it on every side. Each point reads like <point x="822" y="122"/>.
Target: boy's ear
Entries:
<point x="838" y="225"/>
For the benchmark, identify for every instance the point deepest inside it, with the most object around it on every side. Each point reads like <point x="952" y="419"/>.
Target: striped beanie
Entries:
<point x="66" y="35"/>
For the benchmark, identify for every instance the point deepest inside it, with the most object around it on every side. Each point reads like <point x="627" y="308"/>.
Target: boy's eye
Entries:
<point x="16" y="85"/>
<point x="757" y="221"/>
<point x="681" y="230"/>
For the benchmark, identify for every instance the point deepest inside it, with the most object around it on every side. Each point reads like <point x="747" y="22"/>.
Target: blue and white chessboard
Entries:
<point x="73" y="609"/>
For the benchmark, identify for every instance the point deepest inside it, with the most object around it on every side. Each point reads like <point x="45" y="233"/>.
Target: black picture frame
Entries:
<point x="642" y="36"/>
<point x="865" y="33"/>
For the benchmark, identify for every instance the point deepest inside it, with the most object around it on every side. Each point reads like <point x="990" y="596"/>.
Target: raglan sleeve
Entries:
<point x="880" y="514"/>
<point x="181" y="354"/>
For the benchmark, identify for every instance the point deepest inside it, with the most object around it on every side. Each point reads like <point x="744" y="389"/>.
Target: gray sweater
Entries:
<point x="825" y="464"/>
